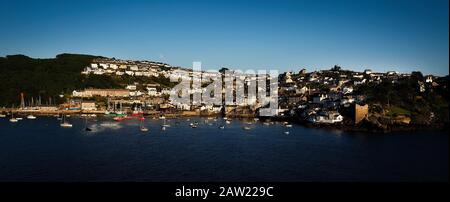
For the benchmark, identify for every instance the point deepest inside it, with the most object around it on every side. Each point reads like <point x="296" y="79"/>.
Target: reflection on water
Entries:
<point x="40" y="150"/>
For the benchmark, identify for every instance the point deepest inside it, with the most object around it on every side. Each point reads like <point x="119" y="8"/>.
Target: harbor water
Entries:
<point x="41" y="150"/>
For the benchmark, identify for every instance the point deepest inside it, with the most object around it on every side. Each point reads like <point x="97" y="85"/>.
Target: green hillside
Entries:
<point x="46" y="77"/>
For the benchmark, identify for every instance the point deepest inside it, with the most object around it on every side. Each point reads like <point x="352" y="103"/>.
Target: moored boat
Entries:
<point x="64" y="122"/>
<point x="66" y="125"/>
<point x="119" y="118"/>
<point x="144" y="129"/>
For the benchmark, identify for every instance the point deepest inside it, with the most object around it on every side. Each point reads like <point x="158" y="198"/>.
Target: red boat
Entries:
<point x="137" y="113"/>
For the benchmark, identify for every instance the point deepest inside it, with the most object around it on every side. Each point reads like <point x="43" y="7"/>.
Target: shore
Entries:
<point x="186" y="114"/>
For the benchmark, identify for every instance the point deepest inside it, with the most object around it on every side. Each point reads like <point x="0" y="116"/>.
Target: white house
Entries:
<point x="131" y="87"/>
<point x="152" y="91"/>
<point x="88" y="106"/>
<point x="136" y="93"/>
<point x="113" y="66"/>
<point x="134" y="68"/>
<point x="347" y="90"/>
<point x="104" y="65"/>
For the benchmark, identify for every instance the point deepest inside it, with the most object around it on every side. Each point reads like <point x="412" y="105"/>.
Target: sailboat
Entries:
<point x="12" y="119"/>
<point x="64" y="123"/>
<point x="59" y="118"/>
<point x="137" y="112"/>
<point x="31" y="117"/>
<point x="86" y="128"/>
<point x="142" y="127"/>
<point x="165" y="124"/>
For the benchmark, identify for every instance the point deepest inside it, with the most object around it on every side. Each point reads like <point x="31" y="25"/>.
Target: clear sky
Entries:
<point x="403" y="35"/>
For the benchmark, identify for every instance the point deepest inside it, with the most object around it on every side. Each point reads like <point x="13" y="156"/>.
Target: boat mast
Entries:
<point x="22" y="101"/>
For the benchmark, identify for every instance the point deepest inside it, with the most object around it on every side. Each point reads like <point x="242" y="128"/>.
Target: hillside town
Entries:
<point x="325" y="97"/>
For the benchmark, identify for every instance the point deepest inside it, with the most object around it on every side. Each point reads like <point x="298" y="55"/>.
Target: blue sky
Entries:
<point x="403" y="35"/>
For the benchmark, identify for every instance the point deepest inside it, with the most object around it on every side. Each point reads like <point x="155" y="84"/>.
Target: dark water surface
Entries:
<point x="39" y="150"/>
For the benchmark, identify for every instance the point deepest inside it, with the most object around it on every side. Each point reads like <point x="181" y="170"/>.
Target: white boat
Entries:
<point x="288" y="126"/>
<point x="120" y="113"/>
<point x="142" y="127"/>
<point x="31" y="117"/>
<point x="162" y="117"/>
<point x="256" y="119"/>
<point x="19" y="118"/>
<point x="228" y="122"/>
<point x="286" y="132"/>
<point x="165" y="124"/>
<point x="247" y="128"/>
<point x="13" y="120"/>
<point x="222" y="127"/>
<point x="266" y="123"/>
<point x="2" y="115"/>
<point x="66" y="125"/>
<point x="109" y="124"/>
